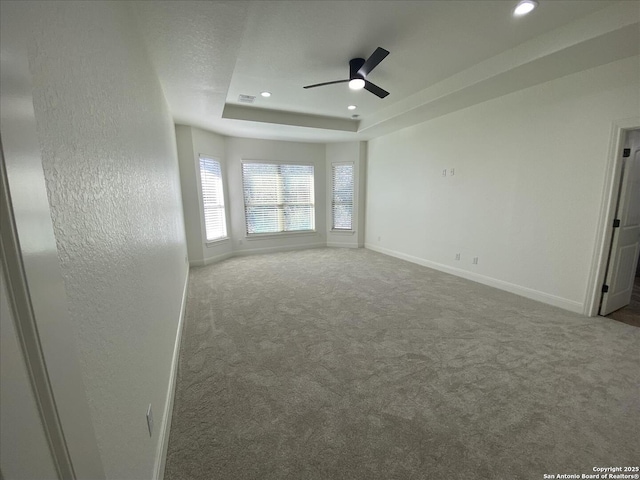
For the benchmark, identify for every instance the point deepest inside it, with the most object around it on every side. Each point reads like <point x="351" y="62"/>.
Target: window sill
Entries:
<point x="213" y="243"/>
<point x="343" y="232"/>
<point x="268" y="236"/>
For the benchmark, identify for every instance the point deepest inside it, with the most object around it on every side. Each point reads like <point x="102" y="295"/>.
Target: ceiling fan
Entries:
<point x="359" y="68"/>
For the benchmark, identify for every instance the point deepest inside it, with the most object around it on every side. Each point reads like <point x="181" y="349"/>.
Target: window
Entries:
<point x="342" y="196"/>
<point x="278" y="198"/>
<point x="215" y="220"/>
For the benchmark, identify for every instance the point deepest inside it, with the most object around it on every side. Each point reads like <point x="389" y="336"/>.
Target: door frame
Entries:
<point x="604" y="232"/>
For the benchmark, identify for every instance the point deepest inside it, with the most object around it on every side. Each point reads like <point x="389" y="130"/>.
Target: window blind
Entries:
<point x="278" y="197"/>
<point x="342" y="196"/>
<point x="213" y="199"/>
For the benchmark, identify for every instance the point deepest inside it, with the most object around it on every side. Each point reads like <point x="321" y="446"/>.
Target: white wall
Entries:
<point x="527" y="190"/>
<point x="347" y="152"/>
<point x="25" y="450"/>
<point x="190" y="198"/>
<point x="109" y="158"/>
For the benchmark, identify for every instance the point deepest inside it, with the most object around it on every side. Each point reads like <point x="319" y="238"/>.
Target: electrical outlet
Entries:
<point x="150" y="420"/>
<point x="444" y="172"/>
<point x="452" y="172"/>
<point x="475" y="260"/>
<point x="379" y="238"/>
<point x="457" y="256"/>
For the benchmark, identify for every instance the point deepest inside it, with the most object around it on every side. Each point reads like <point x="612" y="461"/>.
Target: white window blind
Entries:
<point x="278" y="198"/>
<point x="342" y="196"/>
<point x="213" y="199"/>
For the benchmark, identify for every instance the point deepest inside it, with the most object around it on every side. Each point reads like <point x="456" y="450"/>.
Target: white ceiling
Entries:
<point x="444" y="55"/>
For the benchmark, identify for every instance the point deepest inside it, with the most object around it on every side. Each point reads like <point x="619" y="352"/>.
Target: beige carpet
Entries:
<point x="348" y="364"/>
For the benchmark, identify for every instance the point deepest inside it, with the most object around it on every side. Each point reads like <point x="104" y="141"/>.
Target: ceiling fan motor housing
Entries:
<point x="355" y="65"/>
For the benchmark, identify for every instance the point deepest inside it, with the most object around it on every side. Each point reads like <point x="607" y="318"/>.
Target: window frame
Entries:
<point x="353" y="199"/>
<point x="203" y="222"/>
<point x="265" y="235"/>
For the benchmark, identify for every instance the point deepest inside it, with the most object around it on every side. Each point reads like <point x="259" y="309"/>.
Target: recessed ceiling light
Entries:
<point x="356" y="84"/>
<point x="266" y="94"/>
<point x="352" y="107"/>
<point x="524" y="6"/>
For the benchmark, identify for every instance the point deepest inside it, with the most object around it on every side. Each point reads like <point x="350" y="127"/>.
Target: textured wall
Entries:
<point x="109" y="158"/>
<point x="190" y="197"/>
<point x="528" y="183"/>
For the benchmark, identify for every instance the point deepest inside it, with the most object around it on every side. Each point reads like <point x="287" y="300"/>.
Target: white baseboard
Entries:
<point x="210" y="260"/>
<point x="527" y="292"/>
<point x="255" y="251"/>
<point x="165" y="427"/>
<point x="342" y="245"/>
<point x="284" y="248"/>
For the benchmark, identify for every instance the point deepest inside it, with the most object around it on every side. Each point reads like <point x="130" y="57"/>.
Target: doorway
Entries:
<point x="620" y="297"/>
<point x="608" y="209"/>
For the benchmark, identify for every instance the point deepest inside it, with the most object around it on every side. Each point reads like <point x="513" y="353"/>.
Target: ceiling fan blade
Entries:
<point x="371" y="63"/>
<point x="326" y="83"/>
<point x="376" y="90"/>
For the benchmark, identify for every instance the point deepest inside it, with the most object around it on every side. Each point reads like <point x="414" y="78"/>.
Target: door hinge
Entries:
<point x="616" y="223"/>
<point x="605" y="288"/>
<point x="626" y="153"/>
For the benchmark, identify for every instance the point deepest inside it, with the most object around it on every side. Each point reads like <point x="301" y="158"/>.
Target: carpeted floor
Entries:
<point x="349" y="364"/>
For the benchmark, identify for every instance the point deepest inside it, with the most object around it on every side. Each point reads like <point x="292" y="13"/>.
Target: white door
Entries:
<point x="625" y="245"/>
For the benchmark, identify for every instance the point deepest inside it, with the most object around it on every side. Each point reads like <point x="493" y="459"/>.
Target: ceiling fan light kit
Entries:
<point x="356" y="84"/>
<point x="524" y="6"/>
<point x="359" y="68"/>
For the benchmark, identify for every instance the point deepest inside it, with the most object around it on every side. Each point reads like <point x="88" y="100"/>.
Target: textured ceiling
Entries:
<point x="208" y="53"/>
